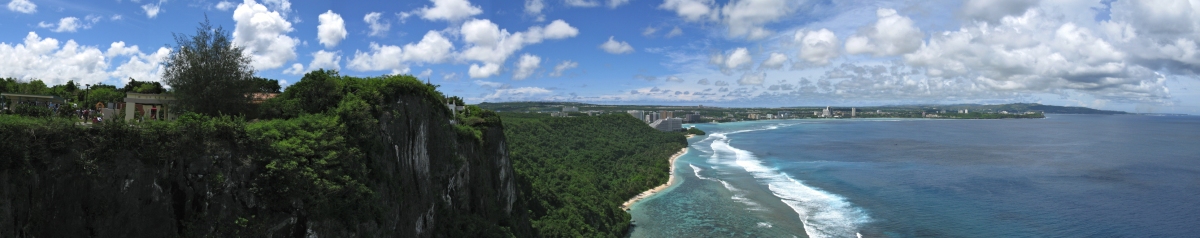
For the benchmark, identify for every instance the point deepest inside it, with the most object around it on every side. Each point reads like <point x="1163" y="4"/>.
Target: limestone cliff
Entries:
<point x="420" y="176"/>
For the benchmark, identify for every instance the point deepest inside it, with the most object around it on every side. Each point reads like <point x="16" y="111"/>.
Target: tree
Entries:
<point x="265" y="85"/>
<point x="209" y="74"/>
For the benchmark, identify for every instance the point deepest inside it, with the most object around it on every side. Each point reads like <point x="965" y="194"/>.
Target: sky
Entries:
<point x="1136" y="56"/>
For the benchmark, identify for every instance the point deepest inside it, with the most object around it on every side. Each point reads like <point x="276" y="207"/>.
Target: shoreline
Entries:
<point x="670" y="181"/>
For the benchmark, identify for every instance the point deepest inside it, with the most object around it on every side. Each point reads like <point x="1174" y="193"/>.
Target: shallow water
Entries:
<point x="1067" y="175"/>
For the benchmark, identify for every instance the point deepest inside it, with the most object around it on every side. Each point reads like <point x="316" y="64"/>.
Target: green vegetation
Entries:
<point x="577" y="171"/>
<point x="695" y="131"/>
<point x="209" y="74"/>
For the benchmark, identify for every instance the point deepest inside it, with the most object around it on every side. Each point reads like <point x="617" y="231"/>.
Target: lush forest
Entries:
<point x="576" y="171"/>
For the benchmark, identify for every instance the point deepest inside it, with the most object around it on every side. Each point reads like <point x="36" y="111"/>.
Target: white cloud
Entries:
<point x="489" y="44"/>
<point x="674" y="79"/>
<point x="616" y="3"/>
<point x="488" y="84"/>
<point x="892" y="34"/>
<point x="581" y="3"/>
<point x="433" y="48"/>
<point x="325" y="60"/>
<point x="692" y="10"/>
<point x="526" y="66"/>
<point x="522" y="93"/>
<point x="152" y="9"/>
<point x="818" y="47"/>
<point x="263" y="35"/>
<point x="675" y="32"/>
<point x="282" y="6"/>
<point x="55" y="63"/>
<point x="738" y="59"/>
<point x="747" y="17"/>
<point x="993" y="10"/>
<point x="487" y="70"/>
<point x="534" y="8"/>
<point x="616" y="47"/>
<point x="332" y="29"/>
<point x="563" y="66"/>
<point x="378" y="26"/>
<point x="1036" y="53"/>
<point x="649" y="31"/>
<point x="449" y="10"/>
<point x="1158" y="34"/>
<point x="116" y="17"/>
<point x="66" y="24"/>
<point x="296" y="69"/>
<point x="452" y="76"/>
<point x="425" y="73"/>
<point x="775" y="61"/>
<point x="559" y="29"/>
<point x="22" y="6"/>
<point x="752" y="79"/>
<point x="225" y="5"/>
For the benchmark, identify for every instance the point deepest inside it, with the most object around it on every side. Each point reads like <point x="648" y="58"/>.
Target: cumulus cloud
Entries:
<point x="263" y="35"/>
<point x="325" y="60"/>
<point x="616" y="47"/>
<point x="892" y="34"/>
<point x="526" y="66"/>
<point x="1158" y="34"/>
<point x="379" y="27"/>
<point x="738" y="59"/>
<point x="692" y="10"/>
<point x="747" y="17"/>
<point x="534" y="8"/>
<point x="68" y="24"/>
<point x="818" y="47"/>
<point x="1037" y="53"/>
<point x="449" y="10"/>
<point x="775" y="61"/>
<point x="22" y="6"/>
<point x="54" y="62"/>
<point x="433" y="48"/>
<point x="483" y="71"/>
<point x="720" y="83"/>
<point x="487" y="43"/>
<point x="563" y="66"/>
<point x="152" y="9"/>
<point x="752" y="79"/>
<point x="488" y="84"/>
<point x="702" y="82"/>
<point x="425" y="73"/>
<point x="993" y="10"/>
<point x="332" y="29"/>
<point x="674" y="79"/>
<point x="225" y="5"/>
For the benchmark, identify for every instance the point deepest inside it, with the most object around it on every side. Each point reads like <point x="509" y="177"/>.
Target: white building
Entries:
<point x="825" y="113"/>
<point x="668" y="124"/>
<point x="637" y="114"/>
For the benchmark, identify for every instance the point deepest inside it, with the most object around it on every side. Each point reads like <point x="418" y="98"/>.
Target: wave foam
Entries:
<point x="823" y="214"/>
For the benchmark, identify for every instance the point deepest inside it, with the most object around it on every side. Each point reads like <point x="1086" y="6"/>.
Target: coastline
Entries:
<point x="670" y="181"/>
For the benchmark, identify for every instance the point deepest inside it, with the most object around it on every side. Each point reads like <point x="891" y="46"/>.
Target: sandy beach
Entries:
<point x="670" y="181"/>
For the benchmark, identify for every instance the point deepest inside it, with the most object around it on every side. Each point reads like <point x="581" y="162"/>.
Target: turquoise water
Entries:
<point x="1064" y="176"/>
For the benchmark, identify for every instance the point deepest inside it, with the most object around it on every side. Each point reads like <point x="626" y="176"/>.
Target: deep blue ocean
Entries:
<point x="1063" y="176"/>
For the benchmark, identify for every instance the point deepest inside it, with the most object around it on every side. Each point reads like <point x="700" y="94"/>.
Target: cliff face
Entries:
<point x="216" y="178"/>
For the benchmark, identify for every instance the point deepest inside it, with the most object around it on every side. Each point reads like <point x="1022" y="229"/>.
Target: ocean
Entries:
<point x="1062" y="176"/>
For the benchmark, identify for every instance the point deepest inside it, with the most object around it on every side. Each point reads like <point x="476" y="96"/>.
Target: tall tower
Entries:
<point x="853" y="112"/>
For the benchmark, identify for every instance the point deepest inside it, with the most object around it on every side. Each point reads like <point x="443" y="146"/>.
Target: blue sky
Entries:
<point x="1138" y="56"/>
